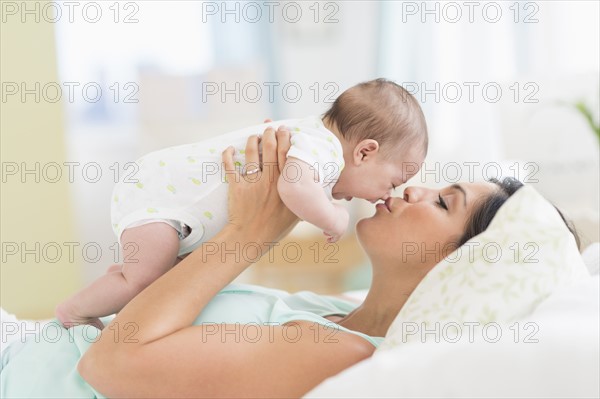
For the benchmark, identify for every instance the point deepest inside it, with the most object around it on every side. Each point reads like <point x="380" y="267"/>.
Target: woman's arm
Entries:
<point x="151" y="350"/>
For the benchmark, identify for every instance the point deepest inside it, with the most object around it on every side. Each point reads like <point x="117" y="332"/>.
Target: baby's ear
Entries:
<point x="366" y="149"/>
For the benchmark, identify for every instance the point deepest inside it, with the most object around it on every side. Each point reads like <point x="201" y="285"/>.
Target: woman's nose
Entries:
<point x="416" y="194"/>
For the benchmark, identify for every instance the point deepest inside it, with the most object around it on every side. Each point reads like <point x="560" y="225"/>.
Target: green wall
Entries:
<point x="32" y="212"/>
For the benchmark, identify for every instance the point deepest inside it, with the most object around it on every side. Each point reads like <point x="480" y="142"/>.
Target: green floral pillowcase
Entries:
<point x="496" y="278"/>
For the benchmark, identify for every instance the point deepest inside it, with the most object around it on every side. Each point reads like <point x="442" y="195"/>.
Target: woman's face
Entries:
<point x="418" y="228"/>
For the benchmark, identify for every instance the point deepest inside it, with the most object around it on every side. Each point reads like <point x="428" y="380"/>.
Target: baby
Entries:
<point x="360" y="148"/>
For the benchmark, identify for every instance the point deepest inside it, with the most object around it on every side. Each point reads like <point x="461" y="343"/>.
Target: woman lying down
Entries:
<point x="192" y="334"/>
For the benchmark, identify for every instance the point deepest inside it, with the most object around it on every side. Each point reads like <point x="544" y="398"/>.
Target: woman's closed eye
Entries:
<point x="441" y="203"/>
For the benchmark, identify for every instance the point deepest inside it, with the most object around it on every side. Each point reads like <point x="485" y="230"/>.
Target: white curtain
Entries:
<point x="454" y="45"/>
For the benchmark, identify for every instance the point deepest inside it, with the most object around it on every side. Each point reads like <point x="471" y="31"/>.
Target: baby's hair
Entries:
<point x="383" y="111"/>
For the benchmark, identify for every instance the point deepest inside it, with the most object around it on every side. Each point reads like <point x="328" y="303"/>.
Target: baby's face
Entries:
<point x="375" y="180"/>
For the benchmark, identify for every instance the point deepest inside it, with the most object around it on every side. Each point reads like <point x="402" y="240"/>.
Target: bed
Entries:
<point x="545" y="307"/>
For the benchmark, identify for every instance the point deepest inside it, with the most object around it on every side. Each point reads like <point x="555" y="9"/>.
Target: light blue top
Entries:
<point x="46" y="364"/>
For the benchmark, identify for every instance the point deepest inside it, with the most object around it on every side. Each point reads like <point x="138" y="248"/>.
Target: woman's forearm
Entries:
<point x="176" y="298"/>
<point x="257" y="219"/>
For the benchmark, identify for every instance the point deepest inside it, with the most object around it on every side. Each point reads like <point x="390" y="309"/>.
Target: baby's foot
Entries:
<point x="68" y="318"/>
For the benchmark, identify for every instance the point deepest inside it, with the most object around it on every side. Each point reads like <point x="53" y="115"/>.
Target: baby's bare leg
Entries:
<point x="149" y="251"/>
<point x="114" y="268"/>
<point x="119" y="267"/>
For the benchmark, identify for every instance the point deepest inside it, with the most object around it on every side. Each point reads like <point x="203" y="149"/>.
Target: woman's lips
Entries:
<point x="387" y="204"/>
<point x="383" y="206"/>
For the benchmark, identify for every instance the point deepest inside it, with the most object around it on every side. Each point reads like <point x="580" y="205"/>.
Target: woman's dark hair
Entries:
<point x="486" y="209"/>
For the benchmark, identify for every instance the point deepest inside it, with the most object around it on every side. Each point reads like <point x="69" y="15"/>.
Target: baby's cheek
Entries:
<point x="358" y="189"/>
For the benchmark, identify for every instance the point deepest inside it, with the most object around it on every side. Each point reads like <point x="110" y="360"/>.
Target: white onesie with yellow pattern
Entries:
<point x="184" y="185"/>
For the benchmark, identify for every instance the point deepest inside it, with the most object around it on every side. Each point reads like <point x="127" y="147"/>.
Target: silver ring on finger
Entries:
<point x="251" y="172"/>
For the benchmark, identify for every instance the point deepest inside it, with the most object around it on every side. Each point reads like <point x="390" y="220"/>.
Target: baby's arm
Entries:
<point x="304" y="196"/>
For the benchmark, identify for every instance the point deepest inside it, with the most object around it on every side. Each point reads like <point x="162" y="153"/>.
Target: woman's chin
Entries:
<point x="360" y="224"/>
<point x="374" y="232"/>
<point x="364" y="232"/>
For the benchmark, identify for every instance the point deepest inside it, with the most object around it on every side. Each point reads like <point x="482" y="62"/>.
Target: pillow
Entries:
<point x="563" y="363"/>
<point x="591" y="258"/>
<point x="499" y="276"/>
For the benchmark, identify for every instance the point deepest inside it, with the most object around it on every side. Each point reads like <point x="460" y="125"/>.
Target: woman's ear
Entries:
<point x="365" y="150"/>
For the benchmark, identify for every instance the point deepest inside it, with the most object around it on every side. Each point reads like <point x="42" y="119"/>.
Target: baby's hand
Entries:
<point x="341" y="224"/>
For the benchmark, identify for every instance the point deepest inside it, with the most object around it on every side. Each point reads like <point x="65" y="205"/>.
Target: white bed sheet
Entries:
<point x="564" y="363"/>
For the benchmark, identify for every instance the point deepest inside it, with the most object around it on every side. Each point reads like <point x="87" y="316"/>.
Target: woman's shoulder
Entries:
<point x="339" y="340"/>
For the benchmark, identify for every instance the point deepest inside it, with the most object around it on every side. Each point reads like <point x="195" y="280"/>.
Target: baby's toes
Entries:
<point x="114" y="268"/>
<point x="64" y="315"/>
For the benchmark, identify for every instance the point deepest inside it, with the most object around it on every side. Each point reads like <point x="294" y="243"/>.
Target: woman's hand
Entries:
<point x="254" y="203"/>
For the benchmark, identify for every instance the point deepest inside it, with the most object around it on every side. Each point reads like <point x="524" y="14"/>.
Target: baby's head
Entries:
<point x="384" y="135"/>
